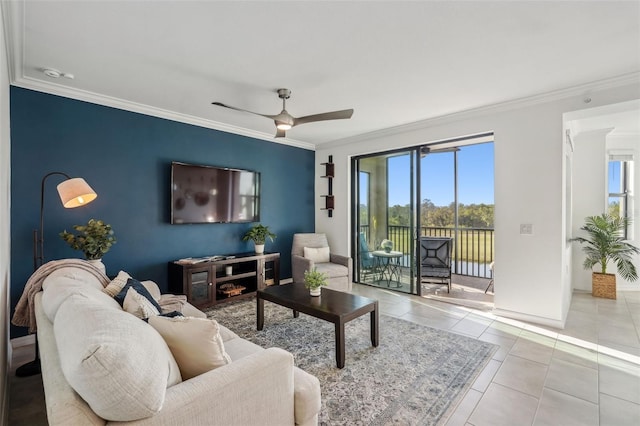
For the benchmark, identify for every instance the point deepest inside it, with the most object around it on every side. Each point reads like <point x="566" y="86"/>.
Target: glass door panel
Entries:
<point x="385" y="215"/>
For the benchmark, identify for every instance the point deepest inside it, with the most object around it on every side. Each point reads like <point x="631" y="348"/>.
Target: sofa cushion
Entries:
<point x="240" y="348"/>
<point x="60" y="285"/>
<point x="194" y="342"/>
<point x="227" y="334"/>
<point x="317" y="255"/>
<point x="118" y="364"/>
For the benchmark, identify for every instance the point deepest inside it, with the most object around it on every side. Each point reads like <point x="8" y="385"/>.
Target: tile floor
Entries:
<point x="586" y="374"/>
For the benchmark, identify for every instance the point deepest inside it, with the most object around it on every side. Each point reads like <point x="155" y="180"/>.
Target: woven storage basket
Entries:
<point x="603" y="285"/>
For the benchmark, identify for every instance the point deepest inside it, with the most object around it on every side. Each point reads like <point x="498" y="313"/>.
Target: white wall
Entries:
<point x="589" y="171"/>
<point x="532" y="271"/>
<point x="5" y="177"/>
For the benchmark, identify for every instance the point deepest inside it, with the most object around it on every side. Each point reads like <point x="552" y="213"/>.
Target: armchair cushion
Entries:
<point x="318" y="255"/>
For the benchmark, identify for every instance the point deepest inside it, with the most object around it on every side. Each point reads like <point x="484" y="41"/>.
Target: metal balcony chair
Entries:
<point x="435" y="260"/>
<point x="367" y="261"/>
<point x="492" y="266"/>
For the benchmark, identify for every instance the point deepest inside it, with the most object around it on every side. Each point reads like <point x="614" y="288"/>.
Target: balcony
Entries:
<point x="473" y="253"/>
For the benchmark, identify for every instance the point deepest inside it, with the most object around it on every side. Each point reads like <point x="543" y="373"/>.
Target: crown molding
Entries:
<point x="622" y="80"/>
<point x="12" y="14"/>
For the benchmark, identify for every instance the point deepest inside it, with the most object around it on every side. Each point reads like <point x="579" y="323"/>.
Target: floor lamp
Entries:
<point x="74" y="192"/>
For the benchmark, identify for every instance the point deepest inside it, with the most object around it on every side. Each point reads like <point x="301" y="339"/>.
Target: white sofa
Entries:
<point x="122" y="367"/>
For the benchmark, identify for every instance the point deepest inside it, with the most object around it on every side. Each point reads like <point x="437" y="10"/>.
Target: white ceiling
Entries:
<point x="394" y="62"/>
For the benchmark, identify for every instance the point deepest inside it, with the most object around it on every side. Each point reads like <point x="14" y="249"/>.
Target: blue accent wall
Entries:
<point x="126" y="158"/>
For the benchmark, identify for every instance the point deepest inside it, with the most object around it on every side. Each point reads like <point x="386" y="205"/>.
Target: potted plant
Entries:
<point x="605" y="243"/>
<point x="314" y="280"/>
<point x="258" y="234"/>
<point x="94" y="240"/>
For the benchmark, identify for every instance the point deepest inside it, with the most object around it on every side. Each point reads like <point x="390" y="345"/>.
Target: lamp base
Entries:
<point x="29" y="369"/>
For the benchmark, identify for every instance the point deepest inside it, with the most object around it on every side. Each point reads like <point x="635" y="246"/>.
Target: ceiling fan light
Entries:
<point x="283" y="126"/>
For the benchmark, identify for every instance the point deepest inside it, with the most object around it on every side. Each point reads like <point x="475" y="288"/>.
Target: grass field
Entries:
<point x="471" y="245"/>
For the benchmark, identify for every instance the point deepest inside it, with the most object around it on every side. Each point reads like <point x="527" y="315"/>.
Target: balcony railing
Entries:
<point x="474" y="247"/>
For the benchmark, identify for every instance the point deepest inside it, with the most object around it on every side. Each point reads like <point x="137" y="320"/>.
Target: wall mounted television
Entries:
<point x="209" y="194"/>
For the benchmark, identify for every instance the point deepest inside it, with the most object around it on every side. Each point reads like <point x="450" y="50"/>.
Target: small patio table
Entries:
<point x="388" y="266"/>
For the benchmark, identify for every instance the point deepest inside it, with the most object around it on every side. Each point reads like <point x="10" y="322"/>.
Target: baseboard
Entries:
<point x="23" y="341"/>
<point x="627" y="287"/>
<point x="529" y="318"/>
<point x="286" y="281"/>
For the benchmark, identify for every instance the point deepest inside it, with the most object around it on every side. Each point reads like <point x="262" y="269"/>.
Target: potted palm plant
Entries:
<point x="314" y="280"/>
<point x="258" y="234"/>
<point x="94" y="240"/>
<point x="605" y="243"/>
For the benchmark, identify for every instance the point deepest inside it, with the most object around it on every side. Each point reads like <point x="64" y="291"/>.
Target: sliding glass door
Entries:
<point x="436" y="190"/>
<point x="385" y="219"/>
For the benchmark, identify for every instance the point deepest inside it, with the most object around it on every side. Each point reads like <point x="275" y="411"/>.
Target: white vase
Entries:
<point x="259" y="248"/>
<point x="315" y="291"/>
<point x="97" y="263"/>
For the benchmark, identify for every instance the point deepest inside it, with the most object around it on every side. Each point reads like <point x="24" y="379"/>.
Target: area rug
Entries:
<point x="414" y="377"/>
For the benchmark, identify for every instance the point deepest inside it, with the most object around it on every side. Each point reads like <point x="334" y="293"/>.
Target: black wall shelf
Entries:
<point x="329" y="174"/>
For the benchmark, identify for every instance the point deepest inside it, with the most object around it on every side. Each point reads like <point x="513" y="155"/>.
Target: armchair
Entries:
<point x="435" y="260"/>
<point x="337" y="267"/>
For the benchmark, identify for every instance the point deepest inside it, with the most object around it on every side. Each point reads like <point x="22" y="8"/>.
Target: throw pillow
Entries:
<point x="138" y="305"/>
<point x="140" y="289"/>
<point x="195" y="343"/>
<point x="116" y="285"/>
<point x="317" y="255"/>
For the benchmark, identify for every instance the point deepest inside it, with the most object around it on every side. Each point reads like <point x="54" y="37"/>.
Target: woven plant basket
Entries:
<point x="603" y="285"/>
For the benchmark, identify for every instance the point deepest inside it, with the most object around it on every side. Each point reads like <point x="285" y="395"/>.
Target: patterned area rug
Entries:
<point x="414" y="377"/>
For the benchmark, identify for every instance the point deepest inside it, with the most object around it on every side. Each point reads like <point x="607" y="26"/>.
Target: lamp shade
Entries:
<point x="75" y="192"/>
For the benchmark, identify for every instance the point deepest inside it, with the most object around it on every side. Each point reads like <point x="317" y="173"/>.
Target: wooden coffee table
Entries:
<point x="334" y="306"/>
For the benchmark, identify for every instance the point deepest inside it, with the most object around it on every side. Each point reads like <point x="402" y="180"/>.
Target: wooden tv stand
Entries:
<point x="206" y="283"/>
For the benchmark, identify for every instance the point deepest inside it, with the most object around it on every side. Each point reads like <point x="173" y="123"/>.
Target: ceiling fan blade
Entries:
<point x="334" y="115"/>
<point x="242" y="110"/>
<point x="280" y="133"/>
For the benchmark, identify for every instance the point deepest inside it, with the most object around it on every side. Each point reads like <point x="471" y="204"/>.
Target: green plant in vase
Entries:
<point x="605" y="243"/>
<point x="93" y="239"/>
<point x="314" y="280"/>
<point x="258" y="234"/>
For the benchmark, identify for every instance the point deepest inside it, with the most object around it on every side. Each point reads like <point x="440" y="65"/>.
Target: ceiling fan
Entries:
<point x="284" y="121"/>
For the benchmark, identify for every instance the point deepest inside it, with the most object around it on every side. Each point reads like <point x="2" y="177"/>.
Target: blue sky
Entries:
<point x="475" y="177"/>
<point x="614" y="176"/>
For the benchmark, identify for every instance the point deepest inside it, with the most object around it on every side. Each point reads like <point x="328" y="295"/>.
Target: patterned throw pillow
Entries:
<point x="116" y="285"/>
<point x="138" y="305"/>
<point x="140" y="289"/>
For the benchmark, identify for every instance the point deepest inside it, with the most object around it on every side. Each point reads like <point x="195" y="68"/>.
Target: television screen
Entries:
<point x="207" y="194"/>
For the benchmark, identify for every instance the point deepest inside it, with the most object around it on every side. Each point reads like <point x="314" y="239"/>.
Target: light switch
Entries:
<point x="526" y="229"/>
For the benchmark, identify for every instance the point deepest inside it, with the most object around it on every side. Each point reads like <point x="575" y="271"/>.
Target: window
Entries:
<point x="620" y="180"/>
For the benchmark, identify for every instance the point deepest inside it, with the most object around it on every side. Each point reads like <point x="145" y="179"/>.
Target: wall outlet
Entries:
<point x="526" y="229"/>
